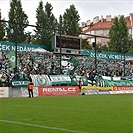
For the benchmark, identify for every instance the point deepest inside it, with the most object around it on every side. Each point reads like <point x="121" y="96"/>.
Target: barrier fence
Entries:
<point x="53" y="85"/>
<point x="64" y="91"/>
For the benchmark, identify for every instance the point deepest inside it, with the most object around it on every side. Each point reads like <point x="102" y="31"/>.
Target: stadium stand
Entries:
<point x="38" y="64"/>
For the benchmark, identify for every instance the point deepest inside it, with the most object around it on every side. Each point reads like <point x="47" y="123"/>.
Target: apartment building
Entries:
<point x="100" y="26"/>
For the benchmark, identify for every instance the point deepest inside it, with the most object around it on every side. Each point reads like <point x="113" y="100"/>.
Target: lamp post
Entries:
<point x="124" y="61"/>
<point x="95" y="57"/>
<point x="60" y="54"/>
<point x="59" y="30"/>
<point x="123" y="51"/>
<point x="16" y="57"/>
<point x="94" y="46"/>
<point x="16" y="41"/>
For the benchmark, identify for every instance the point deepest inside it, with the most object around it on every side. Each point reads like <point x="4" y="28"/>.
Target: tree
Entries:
<point x="40" y="29"/>
<point x="124" y="35"/>
<point x="71" y="21"/>
<point x="2" y="31"/>
<point x="18" y="21"/>
<point x="119" y="36"/>
<point x="130" y="45"/>
<point x="60" y="25"/>
<point x="114" y="42"/>
<point x="60" y="22"/>
<point x="104" y="47"/>
<point x="85" y="44"/>
<point x="46" y="23"/>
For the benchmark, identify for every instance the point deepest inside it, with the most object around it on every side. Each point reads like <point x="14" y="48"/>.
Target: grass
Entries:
<point x="67" y="114"/>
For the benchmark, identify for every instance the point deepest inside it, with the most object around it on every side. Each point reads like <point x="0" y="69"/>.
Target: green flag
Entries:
<point x="74" y="63"/>
<point x="11" y="57"/>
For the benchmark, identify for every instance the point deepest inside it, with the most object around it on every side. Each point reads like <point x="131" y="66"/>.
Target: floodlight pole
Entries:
<point x="123" y="51"/>
<point x="16" y="56"/>
<point x="16" y="52"/>
<point x="124" y="63"/>
<point x="60" y="54"/>
<point x="95" y="36"/>
<point x="95" y="56"/>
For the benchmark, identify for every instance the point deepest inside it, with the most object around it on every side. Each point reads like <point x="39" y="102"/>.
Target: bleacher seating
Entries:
<point x="38" y="63"/>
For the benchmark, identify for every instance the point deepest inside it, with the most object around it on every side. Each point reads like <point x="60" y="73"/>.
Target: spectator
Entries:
<point x="30" y="88"/>
<point x="80" y="84"/>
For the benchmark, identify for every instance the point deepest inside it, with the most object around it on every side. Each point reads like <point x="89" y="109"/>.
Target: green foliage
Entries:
<point x="119" y="36"/>
<point x="46" y="23"/>
<point x="18" y="21"/>
<point x="29" y="37"/>
<point x="60" y="22"/>
<point x="71" y="21"/>
<point x="52" y="114"/>
<point x="85" y="44"/>
<point x="2" y="32"/>
<point x="101" y="47"/>
<point x="60" y="25"/>
<point x="130" y="45"/>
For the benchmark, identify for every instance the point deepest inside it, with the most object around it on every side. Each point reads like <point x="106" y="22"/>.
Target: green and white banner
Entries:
<point x="10" y="46"/>
<point x="49" y="80"/>
<point x="74" y="63"/>
<point x="60" y="79"/>
<point x="41" y="80"/>
<point x="75" y="80"/>
<point x="107" y="55"/>
<point x="17" y="83"/>
<point x="12" y="58"/>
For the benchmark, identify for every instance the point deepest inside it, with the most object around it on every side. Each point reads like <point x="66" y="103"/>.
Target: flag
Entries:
<point x="74" y="63"/>
<point x="12" y="58"/>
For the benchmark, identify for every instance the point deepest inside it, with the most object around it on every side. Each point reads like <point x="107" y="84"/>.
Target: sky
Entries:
<point x="87" y="9"/>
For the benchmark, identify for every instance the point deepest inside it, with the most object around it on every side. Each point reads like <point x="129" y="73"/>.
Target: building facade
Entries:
<point x="100" y="26"/>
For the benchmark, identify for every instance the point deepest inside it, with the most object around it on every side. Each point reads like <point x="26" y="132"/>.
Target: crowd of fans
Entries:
<point x="39" y="64"/>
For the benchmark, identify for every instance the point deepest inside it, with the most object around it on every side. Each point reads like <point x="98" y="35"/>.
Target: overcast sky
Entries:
<point x="87" y="9"/>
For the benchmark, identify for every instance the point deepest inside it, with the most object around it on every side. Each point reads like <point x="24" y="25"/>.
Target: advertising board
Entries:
<point x="58" y="90"/>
